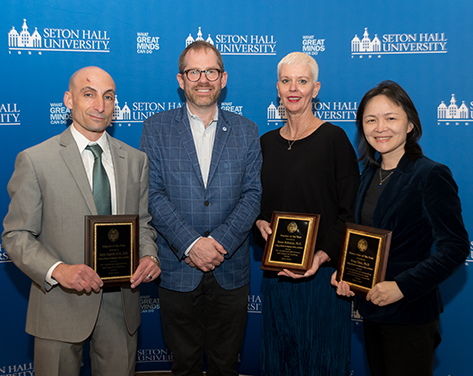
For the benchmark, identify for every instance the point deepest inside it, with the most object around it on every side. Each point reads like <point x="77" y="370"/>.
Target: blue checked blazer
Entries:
<point x="183" y="209"/>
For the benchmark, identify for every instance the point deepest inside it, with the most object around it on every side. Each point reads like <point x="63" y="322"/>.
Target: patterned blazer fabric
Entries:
<point x="183" y="209"/>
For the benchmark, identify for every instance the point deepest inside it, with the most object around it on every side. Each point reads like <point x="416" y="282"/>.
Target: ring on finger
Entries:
<point x="150" y="276"/>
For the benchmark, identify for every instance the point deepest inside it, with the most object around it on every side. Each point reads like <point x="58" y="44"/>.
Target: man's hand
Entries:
<point x="206" y="254"/>
<point x="77" y="277"/>
<point x="148" y="270"/>
<point x="189" y="262"/>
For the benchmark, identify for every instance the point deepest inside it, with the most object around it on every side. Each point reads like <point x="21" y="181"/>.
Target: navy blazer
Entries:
<point x="183" y="209"/>
<point x="420" y="205"/>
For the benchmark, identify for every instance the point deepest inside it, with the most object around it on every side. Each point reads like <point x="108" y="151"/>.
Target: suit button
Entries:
<point x="206" y="203"/>
<point x="207" y="233"/>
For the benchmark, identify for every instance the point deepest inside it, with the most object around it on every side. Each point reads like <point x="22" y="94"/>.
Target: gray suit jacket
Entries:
<point x="50" y="195"/>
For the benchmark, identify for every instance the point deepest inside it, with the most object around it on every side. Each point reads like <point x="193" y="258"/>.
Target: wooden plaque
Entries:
<point x="292" y="244"/>
<point x="363" y="257"/>
<point x="112" y="247"/>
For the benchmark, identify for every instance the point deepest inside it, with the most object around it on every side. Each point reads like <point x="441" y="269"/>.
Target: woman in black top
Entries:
<point x="309" y="166"/>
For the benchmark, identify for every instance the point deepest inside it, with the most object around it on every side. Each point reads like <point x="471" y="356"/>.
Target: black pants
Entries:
<point x="401" y="350"/>
<point x="208" y="318"/>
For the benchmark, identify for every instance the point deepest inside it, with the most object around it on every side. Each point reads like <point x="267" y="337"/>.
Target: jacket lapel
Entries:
<point x="221" y="136"/>
<point x="70" y="154"/>
<point x="387" y="200"/>
<point x="183" y="128"/>
<point x="120" y="168"/>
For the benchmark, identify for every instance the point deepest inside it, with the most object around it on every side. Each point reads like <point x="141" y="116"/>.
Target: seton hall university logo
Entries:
<point x="53" y="39"/>
<point x="395" y="44"/>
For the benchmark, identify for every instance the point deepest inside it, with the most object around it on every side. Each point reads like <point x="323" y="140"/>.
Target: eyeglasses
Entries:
<point x="194" y="75"/>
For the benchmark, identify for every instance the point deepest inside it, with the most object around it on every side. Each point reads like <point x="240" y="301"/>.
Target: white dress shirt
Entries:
<point x="204" y="138"/>
<point x="88" y="160"/>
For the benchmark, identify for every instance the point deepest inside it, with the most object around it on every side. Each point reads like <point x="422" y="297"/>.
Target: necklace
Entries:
<point x="290" y="143"/>
<point x="381" y="180"/>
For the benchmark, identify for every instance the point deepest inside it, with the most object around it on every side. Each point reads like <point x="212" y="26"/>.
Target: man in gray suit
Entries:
<point x="51" y="192"/>
<point x="205" y="193"/>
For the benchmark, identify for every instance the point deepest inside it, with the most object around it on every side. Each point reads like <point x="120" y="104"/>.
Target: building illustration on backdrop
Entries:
<point x="365" y="44"/>
<point x="276" y="114"/>
<point x="24" y="39"/>
<point x="190" y="39"/>
<point x="453" y="111"/>
<point x="121" y="113"/>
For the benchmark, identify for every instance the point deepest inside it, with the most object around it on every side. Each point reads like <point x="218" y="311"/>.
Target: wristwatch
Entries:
<point x="154" y="259"/>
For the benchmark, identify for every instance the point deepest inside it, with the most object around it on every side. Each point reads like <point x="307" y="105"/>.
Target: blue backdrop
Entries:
<point x="424" y="45"/>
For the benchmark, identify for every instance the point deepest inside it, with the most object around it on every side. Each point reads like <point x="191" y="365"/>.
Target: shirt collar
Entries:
<point x="82" y="141"/>
<point x="192" y="116"/>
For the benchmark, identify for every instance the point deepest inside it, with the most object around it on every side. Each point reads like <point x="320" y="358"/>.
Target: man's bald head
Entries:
<point x="91" y="99"/>
<point x="88" y="71"/>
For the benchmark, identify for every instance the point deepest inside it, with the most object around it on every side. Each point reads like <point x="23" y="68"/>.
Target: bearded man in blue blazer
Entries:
<point x="205" y="195"/>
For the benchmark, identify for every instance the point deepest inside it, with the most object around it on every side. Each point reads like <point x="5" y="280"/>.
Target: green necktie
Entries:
<point x="101" y="185"/>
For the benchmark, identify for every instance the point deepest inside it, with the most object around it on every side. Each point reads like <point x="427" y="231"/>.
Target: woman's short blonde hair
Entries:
<point x="300" y="58"/>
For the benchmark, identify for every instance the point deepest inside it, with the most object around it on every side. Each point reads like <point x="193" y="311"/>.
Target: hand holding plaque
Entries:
<point x="363" y="257"/>
<point x="112" y="247"/>
<point x="292" y="243"/>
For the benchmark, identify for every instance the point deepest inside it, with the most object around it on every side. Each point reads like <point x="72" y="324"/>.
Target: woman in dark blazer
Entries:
<point x="416" y="198"/>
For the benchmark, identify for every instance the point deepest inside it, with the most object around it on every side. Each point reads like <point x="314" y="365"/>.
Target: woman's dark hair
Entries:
<point x="397" y="95"/>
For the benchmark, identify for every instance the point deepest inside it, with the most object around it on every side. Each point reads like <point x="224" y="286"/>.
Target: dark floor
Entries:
<point x="157" y="373"/>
